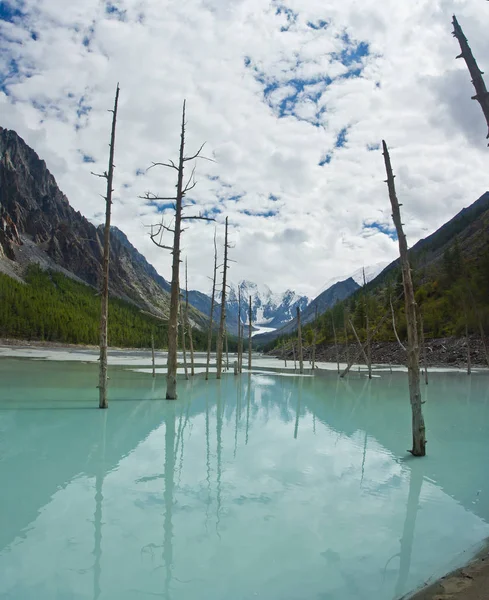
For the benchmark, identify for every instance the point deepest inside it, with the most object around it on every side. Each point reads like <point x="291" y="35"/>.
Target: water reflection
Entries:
<point x="210" y="495"/>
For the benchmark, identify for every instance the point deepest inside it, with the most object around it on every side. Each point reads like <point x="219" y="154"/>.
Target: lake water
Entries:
<point x="259" y="486"/>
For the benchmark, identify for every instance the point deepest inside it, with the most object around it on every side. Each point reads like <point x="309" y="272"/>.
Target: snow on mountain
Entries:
<point x="371" y="273"/>
<point x="268" y="308"/>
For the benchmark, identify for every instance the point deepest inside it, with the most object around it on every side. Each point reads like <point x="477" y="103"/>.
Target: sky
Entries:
<point x="292" y="99"/>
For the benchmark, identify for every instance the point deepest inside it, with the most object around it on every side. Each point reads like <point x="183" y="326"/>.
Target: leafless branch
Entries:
<point x="170" y="164"/>
<point x="103" y="176"/>
<point x="196" y="155"/>
<point x="197" y="217"/>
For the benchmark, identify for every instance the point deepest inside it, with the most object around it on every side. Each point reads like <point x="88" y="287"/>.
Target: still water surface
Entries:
<point x="262" y="486"/>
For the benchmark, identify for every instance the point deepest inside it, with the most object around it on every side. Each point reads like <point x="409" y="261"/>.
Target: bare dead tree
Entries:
<point x="336" y="345"/>
<point x="184" y="348"/>
<point x="394" y="325"/>
<point x="104" y="308"/>
<point x="227" y="348"/>
<point x="222" y="323"/>
<point x="250" y="315"/>
<point x="481" y="93"/>
<point x="153" y="353"/>
<point x="209" y="338"/>
<point x="285" y="355"/>
<point x="362" y="347"/>
<point x="156" y="235"/>
<point x="299" y="341"/>
<point x="189" y="324"/>
<point x="240" y="333"/>
<point x="367" y="327"/>
<point x="418" y="425"/>
<point x="293" y="354"/>
<point x="314" y="339"/>
<point x="345" y="329"/>
<point x="423" y="347"/>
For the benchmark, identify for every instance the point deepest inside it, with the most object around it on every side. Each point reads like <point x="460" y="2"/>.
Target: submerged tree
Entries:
<point x="211" y="319"/>
<point x="104" y="313"/>
<point x="157" y="235"/>
<point x="222" y="323"/>
<point x="418" y="426"/>
<point x="481" y="93"/>
<point x="299" y="341"/>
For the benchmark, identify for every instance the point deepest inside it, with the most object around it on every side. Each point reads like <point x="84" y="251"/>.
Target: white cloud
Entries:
<point x="61" y="62"/>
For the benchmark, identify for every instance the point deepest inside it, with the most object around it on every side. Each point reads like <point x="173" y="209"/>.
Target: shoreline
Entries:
<point x="470" y="582"/>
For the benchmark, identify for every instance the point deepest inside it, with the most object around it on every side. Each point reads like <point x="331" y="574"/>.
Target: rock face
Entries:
<point x="327" y="299"/>
<point x="37" y="224"/>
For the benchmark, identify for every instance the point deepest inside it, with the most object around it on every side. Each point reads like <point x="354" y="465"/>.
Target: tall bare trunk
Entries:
<point x="362" y="348"/>
<point x="481" y="93"/>
<point x="104" y="312"/>
<point x="336" y="345"/>
<point x="209" y="339"/>
<point x="394" y="325"/>
<point x="418" y="425"/>
<point x="314" y="339"/>
<point x="285" y="355"/>
<point x="249" y="335"/>
<point x="299" y="341"/>
<point x="184" y="348"/>
<point x="423" y="347"/>
<point x="293" y="354"/>
<point x="222" y="324"/>
<point x="188" y="324"/>
<point x="345" y="329"/>
<point x="153" y="353"/>
<point x="227" y="348"/>
<point x="156" y="238"/>
<point x="240" y="333"/>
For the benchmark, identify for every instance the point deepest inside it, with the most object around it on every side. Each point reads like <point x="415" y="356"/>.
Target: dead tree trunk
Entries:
<point x="188" y="324"/>
<point x="249" y="335"/>
<point x="222" y="324"/>
<point x="209" y="339"/>
<point x="481" y="93"/>
<point x="104" y="309"/>
<point x="293" y="354"/>
<point x="418" y="426"/>
<point x="423" y="347"/>
<point x="184" y="349"/>
<point x="347" y="349"/>
<point x="153" y="353"/>
<point x="394" y="325"/>
<point x="227" y="348"/>
<point x="314" y="339"/>
<point x="362" y="348"/>
<point x="156" y="237"/>
<point x="299" y="341"/>
<point x="240" y="334"/>
<point x="367" y="328"/>
<point x="285" y="355"/>
<point x="336" y="345"/>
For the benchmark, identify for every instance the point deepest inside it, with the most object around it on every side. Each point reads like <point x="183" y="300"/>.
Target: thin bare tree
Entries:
<point x="250" y="324"/>
<point x="314" y="338"/>
<point x="394" y="325"/>
<point x="299" y="341"/>
<point x="367" y="327"/>
<point x="104" y="308"/>
<point x="153" y="353"/>
<point x="345" y="329"/>
<point x="418" y="425"/>
<point x="222" y="323"/>
<point x="336" y="345"/>
<point x="188" y="324"/>
<point x="184" y="347"/>
<point x="240" y="333"/>
<point x="211" y="318"/>
<point x="156" y="235"/>
<point x="423" y="347"/>
<point x="481" y="93"/>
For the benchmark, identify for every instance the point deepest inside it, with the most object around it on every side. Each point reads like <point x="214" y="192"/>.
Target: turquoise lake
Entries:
<point x="259" y="486"/>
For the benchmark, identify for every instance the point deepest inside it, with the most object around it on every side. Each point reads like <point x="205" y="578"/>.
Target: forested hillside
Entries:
<point x="53" y="307"/>
<point x="451" y="279"/>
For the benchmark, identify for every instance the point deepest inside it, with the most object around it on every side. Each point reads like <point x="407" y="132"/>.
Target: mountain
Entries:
<point x="38" y="225"/>
<point x="327" y="299"/>
<point x="267" y="308"/>
<point x="370" y="272"/>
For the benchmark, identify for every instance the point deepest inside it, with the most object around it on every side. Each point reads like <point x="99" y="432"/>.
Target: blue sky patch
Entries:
<point x="318" y="25"/>
<point x="9" y="11"/>
<point x="382" y="228"/>
<point x="260" y="213"/>
<point x="326" y="160"/>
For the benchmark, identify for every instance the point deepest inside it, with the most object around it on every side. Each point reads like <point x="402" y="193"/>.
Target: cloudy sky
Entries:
<point x="292" y="99"/>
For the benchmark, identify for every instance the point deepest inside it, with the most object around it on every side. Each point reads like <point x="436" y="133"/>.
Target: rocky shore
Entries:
<point x="440" y="352"/>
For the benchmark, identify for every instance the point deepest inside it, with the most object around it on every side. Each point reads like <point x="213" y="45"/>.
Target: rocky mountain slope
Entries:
<point x="38" y="225"/>
<point x="327" y="299"/>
